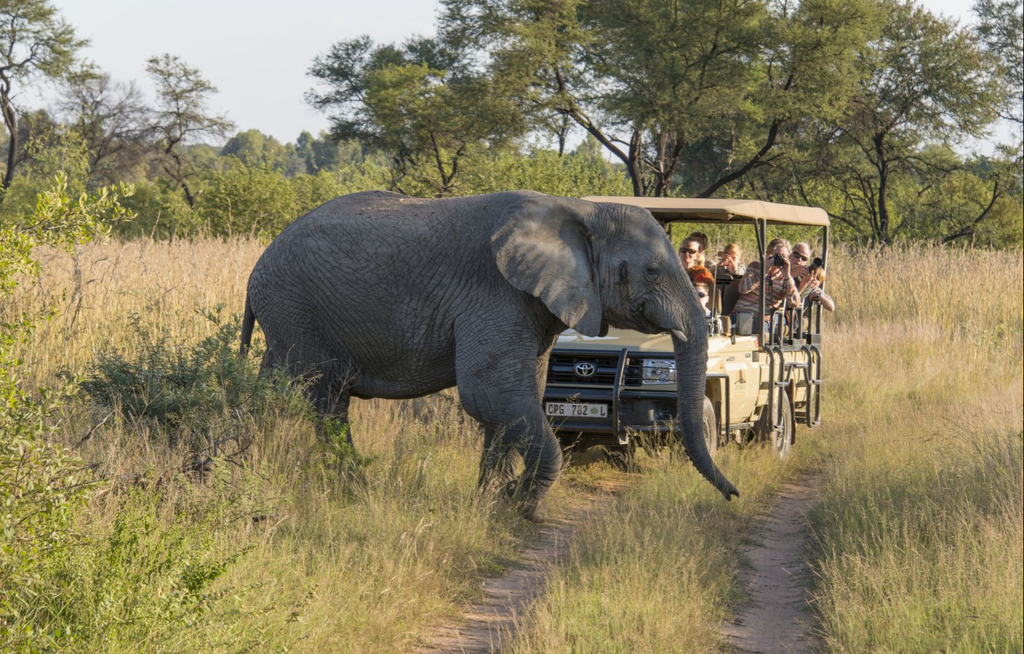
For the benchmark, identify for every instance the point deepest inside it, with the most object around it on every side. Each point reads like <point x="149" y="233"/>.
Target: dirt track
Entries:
<point x="485" y="626"/>
<point x="777" y="618"/>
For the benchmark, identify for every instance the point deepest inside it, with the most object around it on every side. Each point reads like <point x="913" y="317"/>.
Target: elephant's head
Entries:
<point x="594" y="265"/>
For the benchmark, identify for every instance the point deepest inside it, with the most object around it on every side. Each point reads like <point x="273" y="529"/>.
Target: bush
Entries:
<point x="42" y="484"/>
<point x="190" y="391"/>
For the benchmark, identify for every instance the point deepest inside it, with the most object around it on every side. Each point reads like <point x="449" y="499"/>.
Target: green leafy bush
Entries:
<point x="191" y="391"/>
<point x="41" y="483"/>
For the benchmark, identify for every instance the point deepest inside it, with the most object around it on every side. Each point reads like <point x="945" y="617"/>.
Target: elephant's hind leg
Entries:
<point x="326" y="380"/>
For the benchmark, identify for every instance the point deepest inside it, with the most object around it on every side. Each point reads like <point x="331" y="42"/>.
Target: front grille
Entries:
<point x="561" y="368"/>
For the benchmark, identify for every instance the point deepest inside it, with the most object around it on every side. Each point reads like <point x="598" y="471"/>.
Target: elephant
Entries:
<point x="381" y="295"/>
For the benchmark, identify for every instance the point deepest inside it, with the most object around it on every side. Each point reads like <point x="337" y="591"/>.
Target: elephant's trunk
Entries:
<point x="691" y="374"/>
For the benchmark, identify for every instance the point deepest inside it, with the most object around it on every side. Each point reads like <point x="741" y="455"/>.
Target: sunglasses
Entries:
<point x="800" y="257"/>
<point x="701" y="294"/>
<point x="687" y="251"/>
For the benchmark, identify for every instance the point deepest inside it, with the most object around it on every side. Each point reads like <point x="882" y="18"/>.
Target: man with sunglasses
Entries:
<point x="779" y="279"/>
<point x="800" y="257"/>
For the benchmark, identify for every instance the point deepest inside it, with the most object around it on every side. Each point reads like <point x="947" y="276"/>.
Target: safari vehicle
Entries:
<point x="763" y="377"/>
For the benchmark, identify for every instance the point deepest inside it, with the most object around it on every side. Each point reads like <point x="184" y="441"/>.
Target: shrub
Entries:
<point x="41" y="483"/>
<point x="190" y="391"/>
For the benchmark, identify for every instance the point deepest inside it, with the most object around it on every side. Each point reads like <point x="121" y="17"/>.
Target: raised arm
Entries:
<point x="751" y="278"/>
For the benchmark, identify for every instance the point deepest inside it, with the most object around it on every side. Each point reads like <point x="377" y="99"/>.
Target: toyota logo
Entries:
<point x="585" y="369"/>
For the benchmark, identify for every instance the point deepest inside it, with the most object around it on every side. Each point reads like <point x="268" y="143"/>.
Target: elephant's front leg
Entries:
<point x="499" y="389"/>
<point x="498" y="460"/>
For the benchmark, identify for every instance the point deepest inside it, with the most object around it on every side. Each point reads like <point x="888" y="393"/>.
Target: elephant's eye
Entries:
<point x="651" y="273"/>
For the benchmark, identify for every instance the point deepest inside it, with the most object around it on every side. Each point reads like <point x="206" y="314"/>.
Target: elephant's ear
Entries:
<point x="542" y="246"/>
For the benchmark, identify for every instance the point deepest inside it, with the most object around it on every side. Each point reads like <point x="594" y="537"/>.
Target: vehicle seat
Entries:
<point x="730" y="297"/>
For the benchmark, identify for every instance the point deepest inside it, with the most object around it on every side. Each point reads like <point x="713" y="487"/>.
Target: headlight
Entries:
<point x="659" y="371"/>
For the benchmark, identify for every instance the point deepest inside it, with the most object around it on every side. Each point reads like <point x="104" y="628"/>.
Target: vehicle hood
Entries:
<point x="615" y="339"/>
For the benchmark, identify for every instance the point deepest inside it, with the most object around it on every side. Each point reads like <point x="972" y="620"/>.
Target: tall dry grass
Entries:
<point x="918" y="530"/>
<point x="657" y="571"/>
<point x="305" y="559"/>
<point x="919" y="526"/>
<point x="168" y="284"/>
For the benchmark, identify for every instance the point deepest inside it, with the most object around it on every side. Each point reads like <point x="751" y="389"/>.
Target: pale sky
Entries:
<point x="257" y="52"/>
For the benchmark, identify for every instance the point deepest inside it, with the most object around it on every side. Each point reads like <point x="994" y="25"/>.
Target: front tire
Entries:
<point x="623" y="458"/>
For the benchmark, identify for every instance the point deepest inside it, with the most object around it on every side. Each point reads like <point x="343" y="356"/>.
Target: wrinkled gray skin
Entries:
<point x="381" y="295"/>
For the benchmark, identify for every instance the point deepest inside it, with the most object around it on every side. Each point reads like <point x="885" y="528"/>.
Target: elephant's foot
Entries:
<point x="535" y="512"/>
<point x="527" y="500"/>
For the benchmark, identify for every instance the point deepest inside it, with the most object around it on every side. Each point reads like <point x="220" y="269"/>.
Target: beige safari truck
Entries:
<point x="763" y="377"/>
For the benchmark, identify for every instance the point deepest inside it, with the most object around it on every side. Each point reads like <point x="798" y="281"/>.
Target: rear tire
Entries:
<point x="778" y="437"/>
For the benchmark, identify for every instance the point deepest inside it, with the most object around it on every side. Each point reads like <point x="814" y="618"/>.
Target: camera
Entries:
<point x="816" y="263"/>
<point x="779" y="260"/>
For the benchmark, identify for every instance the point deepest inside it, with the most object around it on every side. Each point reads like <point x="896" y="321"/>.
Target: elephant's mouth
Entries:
<point x="642" y="322"/>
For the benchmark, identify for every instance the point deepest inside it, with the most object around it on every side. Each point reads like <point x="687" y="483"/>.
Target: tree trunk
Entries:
<point x="11" y="122"/>
<point x="882" y="233"/>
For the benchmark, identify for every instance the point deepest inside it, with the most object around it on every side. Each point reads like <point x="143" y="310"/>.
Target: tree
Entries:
<point x="49" y="150"/>
<point x="420" y="104"/>
<point x="1001" y="28"/>
<point x="324" y="153"/>
<point x="35" y="41"/>
<point x="254" y="148"/>
<point x="701" y="91"/>
<point x="112" y="118"/>
<point x="181" y="116"/>
<point x="922" y="86"/>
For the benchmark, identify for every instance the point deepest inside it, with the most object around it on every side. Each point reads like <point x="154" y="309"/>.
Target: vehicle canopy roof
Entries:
<point x="698" y="210"/>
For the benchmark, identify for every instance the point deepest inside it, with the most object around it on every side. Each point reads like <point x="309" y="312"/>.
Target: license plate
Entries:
<point x="576" y="409"/>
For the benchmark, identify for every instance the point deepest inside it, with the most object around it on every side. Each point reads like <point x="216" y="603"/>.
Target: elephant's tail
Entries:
<point x="248" y="320"/>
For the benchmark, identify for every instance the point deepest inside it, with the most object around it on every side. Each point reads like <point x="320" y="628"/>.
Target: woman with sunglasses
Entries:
<point x="704" y="282"/>
<point x="691" y="254"/>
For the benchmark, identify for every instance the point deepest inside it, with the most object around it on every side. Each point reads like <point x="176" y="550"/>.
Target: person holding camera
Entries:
<point x="800" y="260"/>
<point x="730" y="261"/>
<point x="809" y="276"/>
<point x="811" y="290"/>
<point x="779" y="278"/>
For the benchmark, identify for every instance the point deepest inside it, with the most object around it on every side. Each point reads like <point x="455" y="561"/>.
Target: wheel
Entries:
<point x="779" y="437"/>
<point x="710" y="428"/>
<point x="623" y="458"/>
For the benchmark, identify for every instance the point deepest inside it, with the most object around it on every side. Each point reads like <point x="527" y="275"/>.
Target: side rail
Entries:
<point x="812" y="347"/>
<point x="777" y="383"/>
<point x="795" y="329"/>
<point x="812" y="382"/>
